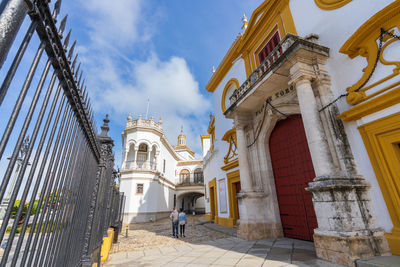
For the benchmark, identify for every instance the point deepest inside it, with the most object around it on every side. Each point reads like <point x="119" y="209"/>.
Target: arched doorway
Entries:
<point x="293" y="170"/>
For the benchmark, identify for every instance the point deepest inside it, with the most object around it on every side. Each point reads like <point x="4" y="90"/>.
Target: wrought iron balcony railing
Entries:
<point x="269" y="63"/>
<point x="185" y="183"/>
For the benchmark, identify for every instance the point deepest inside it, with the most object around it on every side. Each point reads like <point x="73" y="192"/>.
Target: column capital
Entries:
<point x="241" y="121"/>
<point x="301" y="73"/>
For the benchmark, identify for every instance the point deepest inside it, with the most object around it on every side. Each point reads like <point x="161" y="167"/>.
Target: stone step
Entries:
<point x="383" y="261"/>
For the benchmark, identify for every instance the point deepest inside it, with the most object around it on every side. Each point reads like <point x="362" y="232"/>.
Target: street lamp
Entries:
<point x="22" y="153"/>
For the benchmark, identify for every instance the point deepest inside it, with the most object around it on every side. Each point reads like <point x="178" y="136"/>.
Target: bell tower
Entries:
<point x="182" y="138"/>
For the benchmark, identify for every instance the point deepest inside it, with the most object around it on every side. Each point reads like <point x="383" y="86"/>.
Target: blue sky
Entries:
<point x="132" y="50"/>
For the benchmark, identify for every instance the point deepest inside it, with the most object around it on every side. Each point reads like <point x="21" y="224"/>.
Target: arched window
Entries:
<point x="142" y="155"/>
<point x="184" y="176"/>
<point x="198" y="176"/>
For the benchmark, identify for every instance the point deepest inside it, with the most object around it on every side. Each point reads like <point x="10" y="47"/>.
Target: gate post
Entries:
<point x="94" y="221"/>
<point x="12" y="14"/>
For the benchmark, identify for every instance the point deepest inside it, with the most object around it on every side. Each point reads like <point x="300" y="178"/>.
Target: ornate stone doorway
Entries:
<point x="293" y="170"/>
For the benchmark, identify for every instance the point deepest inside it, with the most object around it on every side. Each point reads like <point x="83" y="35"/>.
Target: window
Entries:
<point x="142" y="148"/>
<point x="271" y="44"/>
<point x="198" y="176"/>
<point x="139" y="188"/>
<point x="163" y="168"/>
<point x="184" y="176"/>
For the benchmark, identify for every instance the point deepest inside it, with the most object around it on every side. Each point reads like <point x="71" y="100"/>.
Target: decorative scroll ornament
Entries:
<point x="230" y="137"/>
<point x="331" y="4"/>
<point x="369" y="42"/>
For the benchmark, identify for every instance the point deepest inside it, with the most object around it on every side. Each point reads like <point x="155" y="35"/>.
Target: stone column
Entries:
<point x="147" y="162"/>
<point x="255" y="221"/>
<point x="155" y="160"/>
<point x="245" y="174"/>
<point x="135" y="152"/>
<point x="126" y="159"/>
<point x="317" y="143"/>
<point x="347" y="229"/>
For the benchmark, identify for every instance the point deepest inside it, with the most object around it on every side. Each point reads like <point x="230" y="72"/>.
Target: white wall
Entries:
<point x="212" y="167"/>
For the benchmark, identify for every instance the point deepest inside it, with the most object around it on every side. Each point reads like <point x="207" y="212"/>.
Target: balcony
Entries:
<point x="274" y="72"/>
<point x="140" y="165"/>
<point x="182" y="184"/>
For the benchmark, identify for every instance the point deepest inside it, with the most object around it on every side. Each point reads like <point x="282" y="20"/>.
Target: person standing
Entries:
<point x="182" y="222"/>
<point x="174" y="218"/>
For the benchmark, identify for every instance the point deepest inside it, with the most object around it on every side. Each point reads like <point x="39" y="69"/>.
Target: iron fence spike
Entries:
<point x="71" y="50"/>
<point x="81" y="86"/>
<point x="79" y="80"/>
<point x="73" y="63"/>
<point x="77" y="69"/>
<point x="62" y="25"/>
<point x="66" y="40"/>
<point x="57" y="7"/>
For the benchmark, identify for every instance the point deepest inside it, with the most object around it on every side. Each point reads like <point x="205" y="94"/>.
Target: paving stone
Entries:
<point x="383" y="261"/>
<point x="174" y="264"/>
<point x="279" y="257"/>
<point x="278" y="250"/>
<point x="273" y="263"/>
<point x="135" y="254"/>
<point x="168" y="250"/>
<point x="184" y="248"/>
<point x="204" y="260"/>
<point x="303" y="255"/>
<point x="152" y="252"/>
<point x="250" y="262"/>
<point x="258" y="251"/>
<point x="316" y="263"/>
<point x="184" y="259"/>
<point x="226" y="261"/>
<point x="233" y="254"/>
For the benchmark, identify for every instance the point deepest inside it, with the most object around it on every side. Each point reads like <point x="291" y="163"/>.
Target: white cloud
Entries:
<point x="172" y="89"/>
<point x="114" y="22"/>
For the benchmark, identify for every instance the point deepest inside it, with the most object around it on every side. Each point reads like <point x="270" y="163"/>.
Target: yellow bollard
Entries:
<point x="106" y="246"/>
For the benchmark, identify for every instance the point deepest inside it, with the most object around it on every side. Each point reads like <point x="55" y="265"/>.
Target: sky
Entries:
<point x="135" y="52"/>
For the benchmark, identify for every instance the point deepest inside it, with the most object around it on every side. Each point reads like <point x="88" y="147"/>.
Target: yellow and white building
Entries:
<point x="305" y="137"/>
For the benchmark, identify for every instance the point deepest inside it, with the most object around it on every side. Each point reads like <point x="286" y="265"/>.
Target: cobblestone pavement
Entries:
<point x="158" y="234"/>
<point x="151" y="244"/>
<point x="225" y="252"/>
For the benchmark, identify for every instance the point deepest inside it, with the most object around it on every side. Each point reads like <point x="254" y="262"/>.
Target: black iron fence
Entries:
<point x="58" y="189"/>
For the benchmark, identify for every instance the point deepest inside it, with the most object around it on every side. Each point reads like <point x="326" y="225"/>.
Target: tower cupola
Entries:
<point x="182" y="138"/>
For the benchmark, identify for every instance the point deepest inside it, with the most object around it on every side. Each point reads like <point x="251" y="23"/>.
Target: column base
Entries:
<point x="346" y="250"/>
<point x="257" y="220"/>
<point x="347" y="228"/>
<point x="255" y="231"/>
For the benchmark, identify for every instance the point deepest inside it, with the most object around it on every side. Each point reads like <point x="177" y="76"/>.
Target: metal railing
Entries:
<point x="280" y="54"/>
<point x="58" y="188"/>
<point x="269" y="63"/>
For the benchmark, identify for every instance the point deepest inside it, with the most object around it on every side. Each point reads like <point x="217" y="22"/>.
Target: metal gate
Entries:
<point x="293" y="170"/>
<point x="58" y="189"/>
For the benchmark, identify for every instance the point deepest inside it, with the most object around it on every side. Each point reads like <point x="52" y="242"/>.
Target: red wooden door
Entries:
<point x="293" y="169"/>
